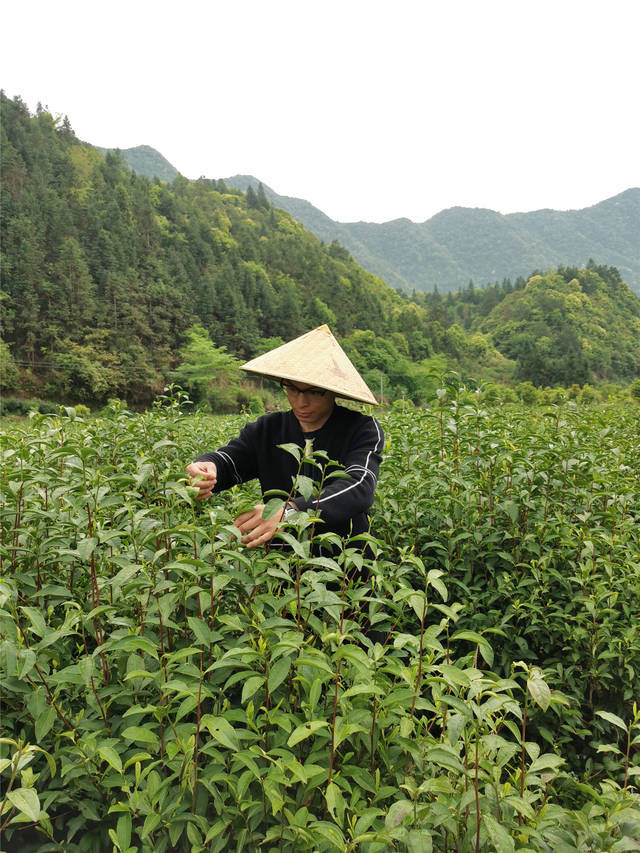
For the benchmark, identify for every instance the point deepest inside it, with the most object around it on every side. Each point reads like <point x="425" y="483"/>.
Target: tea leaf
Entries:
<point x="44" y="723"/>
<point x="547" y="761"/>
<point x="123" y="832"/>
<point x="140" y="735"/>
<point x="86" y="547"/>
<point x="279" y="671"/>
<point x="444" y="756"/>
<point x="612" y="718"/>
<point x="540" y="692"/>
<point x="221" y="730"/>
<point x="111" y="757"/>
<point x="304" y="731"/>
<point x="419" y="841"/>
<point x="26" y="801"/>
<point x="499" y="836"/>
<point x="335" y="803"/>
<point x="250" y="687"/>
<point x="38" y="625"/>
<point x="397" y="814"/>
<point x="454" y="674"/>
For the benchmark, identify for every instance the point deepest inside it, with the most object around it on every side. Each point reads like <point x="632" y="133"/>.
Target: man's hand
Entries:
<point x="204" y="476"/>
<point x="256" y="529"/>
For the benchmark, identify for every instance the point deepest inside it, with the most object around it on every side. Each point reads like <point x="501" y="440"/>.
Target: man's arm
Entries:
<point x="228" y="466"/>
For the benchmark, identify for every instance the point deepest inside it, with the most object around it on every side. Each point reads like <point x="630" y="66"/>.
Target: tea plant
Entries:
<point x="467" y="685"/>
<point x="534" y="516"/>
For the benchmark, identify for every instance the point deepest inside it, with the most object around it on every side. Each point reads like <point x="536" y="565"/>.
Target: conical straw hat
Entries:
<point x="315" y="358"/>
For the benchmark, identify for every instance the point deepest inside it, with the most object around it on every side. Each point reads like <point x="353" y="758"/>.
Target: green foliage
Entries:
<point x="570" y="327"/>
<point x="383" y="364"/>
<point x="460" y="244"/>
<point x="467" y="685"/>
<point x="82" y="372"/>
<point x="532" y="514"/>
<point x="20" y="406"/>
<point x="210" y="374"/>
<point x="8" y="369"/>
<point x="256" y="405"/>
<point x="527" y="393"/>
<point x="105" y="272"/>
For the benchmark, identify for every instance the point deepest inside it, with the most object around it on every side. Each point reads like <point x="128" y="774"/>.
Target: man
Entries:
<point x="313" y="370"/>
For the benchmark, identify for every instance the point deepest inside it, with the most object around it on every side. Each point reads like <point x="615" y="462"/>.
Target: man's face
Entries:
<point x="311" y="406"/>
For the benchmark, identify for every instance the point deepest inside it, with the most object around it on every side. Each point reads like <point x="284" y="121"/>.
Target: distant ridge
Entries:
<point x="460" y="244"/>
<point x="146" y="161"/>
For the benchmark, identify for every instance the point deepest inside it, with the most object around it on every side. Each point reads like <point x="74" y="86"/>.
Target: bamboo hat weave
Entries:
<point x="317" y="359"/>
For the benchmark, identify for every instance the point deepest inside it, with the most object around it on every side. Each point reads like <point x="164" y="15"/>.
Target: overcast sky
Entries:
<point x="369" y="110"/>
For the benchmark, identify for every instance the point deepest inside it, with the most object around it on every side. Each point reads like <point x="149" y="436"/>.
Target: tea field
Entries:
<point x="471" y="684"/>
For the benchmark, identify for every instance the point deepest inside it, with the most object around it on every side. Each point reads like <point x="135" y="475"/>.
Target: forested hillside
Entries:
<point x="114" y="284"/>
<point x="562" y="327"/>
<point x="146" y="161"/>
<point x="462" y="243"/>
<point x="105" y="271"/>
<point x="570" y="326"/>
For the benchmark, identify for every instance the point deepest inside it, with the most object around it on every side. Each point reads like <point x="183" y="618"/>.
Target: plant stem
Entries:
<point x="477" y="797"/>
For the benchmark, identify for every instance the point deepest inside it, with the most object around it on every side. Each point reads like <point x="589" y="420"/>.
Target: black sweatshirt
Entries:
<point x="352" y="439"/>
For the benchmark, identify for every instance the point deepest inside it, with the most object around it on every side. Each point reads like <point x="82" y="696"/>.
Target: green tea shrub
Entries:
<point x="19" y="406"/>
<point x="402" y="405"/>
<point x="588" y="394"/>
<point x="534" y="518"/>
<point x="256" y="405"/>
<point x="553" y="396"/>
<point x="527" y="393"/>
<point x="469" y="686"/>
<point x="114" y="404"/>
<point x="492" y="394"/>
<point x="13" y="406"/>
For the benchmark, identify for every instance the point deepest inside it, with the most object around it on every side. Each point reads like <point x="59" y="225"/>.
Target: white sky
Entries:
<point x="369" y="110"/>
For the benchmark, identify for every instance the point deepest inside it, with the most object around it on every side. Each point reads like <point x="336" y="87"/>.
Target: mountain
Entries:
<point x="105" y="271"/>
<point x="108" y="277"/>
<point x="146" y="161"/>
<point x="462" y="244"/>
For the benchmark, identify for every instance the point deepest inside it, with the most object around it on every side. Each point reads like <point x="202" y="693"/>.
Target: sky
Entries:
<point x="369" y="110"/>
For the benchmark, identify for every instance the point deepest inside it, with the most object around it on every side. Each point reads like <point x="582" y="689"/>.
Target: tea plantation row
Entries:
<point x="471" y="686"/>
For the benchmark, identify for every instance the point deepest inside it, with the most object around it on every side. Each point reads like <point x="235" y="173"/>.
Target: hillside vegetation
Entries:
<point x="105" y="271"/>
<point x="146" y="161"/>
<point x="562" y="327"/>
<point x="463" y="243"/>
<point x="114" y="285"/>
<point x="570" y="326"/>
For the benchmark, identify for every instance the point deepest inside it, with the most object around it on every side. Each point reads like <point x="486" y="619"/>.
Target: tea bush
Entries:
<point x="534" y="516"/>
<point x="472" y="685"/>
<point x="18" y="406"/>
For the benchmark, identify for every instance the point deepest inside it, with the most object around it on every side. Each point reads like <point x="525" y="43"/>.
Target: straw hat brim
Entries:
<point x="315" y="358"/>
